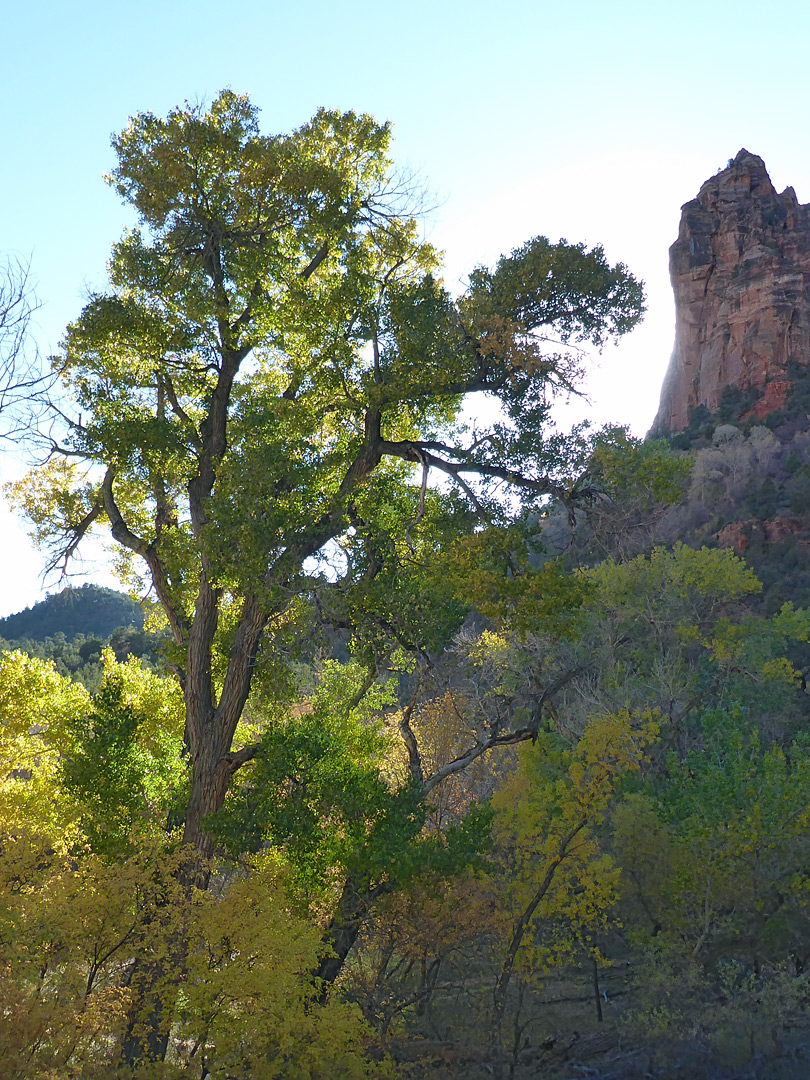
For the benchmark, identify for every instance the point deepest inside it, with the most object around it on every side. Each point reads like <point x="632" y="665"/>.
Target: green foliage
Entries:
<point x="249" y="996"/>
<point x="269" y="386"/>
<point x="80" y="658"/>
<point x="358" y="356"/>
<point x="396" y="588"/>
<point x="317" y="779"/>
<point x="686" y="586"/>
<point x="125" y="766"/>
<point x="666" y="625"/>
<point x="494" y="572"/>
<point x="716" y="877"/>
<point x="580" y="293"/>
<point x="78" y="768"/>
<point x="321" y="790"/>
<point x="704" y="863"/>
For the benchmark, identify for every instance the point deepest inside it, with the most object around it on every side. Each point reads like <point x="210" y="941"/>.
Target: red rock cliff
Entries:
<point x="740" y="271"/>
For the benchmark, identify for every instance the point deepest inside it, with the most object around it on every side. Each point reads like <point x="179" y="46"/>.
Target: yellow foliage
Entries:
<point x="67" y="928"/>
<point x="558" y="878"/>
<point x="36" y="705"/>
<point x="235" y="964"/>
<point x="248" y="995"/>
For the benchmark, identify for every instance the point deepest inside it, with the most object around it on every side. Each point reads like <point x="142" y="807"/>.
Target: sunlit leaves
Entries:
<point x="125" y="767"/>
<point x="562" y="286"/>
<point x="37" y="709"/>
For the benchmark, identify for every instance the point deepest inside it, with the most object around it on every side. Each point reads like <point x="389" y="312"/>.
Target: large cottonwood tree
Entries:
<point x="274" y="367"/>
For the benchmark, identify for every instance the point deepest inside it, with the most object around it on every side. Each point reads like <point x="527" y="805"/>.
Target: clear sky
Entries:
<point x="592" y="120"/>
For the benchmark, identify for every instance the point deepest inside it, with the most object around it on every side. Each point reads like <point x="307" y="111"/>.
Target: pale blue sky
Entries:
<point x="589" y="120"/>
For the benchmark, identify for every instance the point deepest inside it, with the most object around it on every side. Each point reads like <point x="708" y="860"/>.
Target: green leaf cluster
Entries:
<point x="123" y="763"/>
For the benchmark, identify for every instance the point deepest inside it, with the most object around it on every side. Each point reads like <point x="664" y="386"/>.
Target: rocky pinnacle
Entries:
<point x="740" y="271"/>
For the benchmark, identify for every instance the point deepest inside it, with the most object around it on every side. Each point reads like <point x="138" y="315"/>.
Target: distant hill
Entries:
<point x="90" y="610"/>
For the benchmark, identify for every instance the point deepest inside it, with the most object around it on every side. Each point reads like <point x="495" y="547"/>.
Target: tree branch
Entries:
<point x="241" y="664"/>
<point x="180" y="412"/>
<point x="418" y="452"/>
<point x="320" y="255"/>
<point x="63" y="556"/>
<point x="124" y="535"/>
<point x="411" y="744"/>
<point x="242" y="757"/>
<point x="480" y="747"/>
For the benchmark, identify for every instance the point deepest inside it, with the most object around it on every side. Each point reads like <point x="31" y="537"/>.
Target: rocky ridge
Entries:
<point x="740" y="271"/>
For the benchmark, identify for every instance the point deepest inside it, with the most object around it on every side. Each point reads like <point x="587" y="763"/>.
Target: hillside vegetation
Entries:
<point x="71" y="629"/>
<point x="470" y="749"/>
<point x="90" y="610"/>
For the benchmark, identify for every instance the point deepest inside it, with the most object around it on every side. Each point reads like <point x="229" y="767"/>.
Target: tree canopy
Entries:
<point x="435" y="710"/>
<point x="272" y="375"/>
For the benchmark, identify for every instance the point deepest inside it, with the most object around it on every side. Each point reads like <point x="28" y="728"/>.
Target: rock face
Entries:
<point x="738" y="534"/>
<point x="740" y="270"/>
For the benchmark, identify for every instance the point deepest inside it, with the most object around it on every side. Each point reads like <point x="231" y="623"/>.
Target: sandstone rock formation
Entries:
<point x="738" y="534"/>
<point x="740" y="271"/>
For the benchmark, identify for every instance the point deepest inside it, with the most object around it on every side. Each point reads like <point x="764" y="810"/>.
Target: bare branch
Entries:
<point x="509" y="738"/>
<point x="63" y="556"/>
<point x="418" y="452"/>
<point x="474" y="752"/>
<point x="21" y="379"/>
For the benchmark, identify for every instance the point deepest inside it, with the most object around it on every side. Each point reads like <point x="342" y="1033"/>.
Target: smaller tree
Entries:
<point x="640" y="481"/>
<point x="123" y="765"/>
<point x="559" y="883"/>
<point x="37" y="707"/>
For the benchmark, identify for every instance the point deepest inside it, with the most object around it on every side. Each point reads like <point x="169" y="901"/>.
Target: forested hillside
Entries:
<point x="90" y="610"/>
<point x="471" y="748"/>
<point x="72" y="628"/>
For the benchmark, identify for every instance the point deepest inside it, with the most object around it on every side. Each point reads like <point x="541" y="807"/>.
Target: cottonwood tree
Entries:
<point x="274" y="360"/>
<point x="270" y="379"/>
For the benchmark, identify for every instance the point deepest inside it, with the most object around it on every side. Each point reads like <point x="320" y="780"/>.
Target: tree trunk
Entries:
<point x="154" y="978"/>
<point x="147" y="1036"/>
<point x="210" y="775"/>
<point x="344" y="928"/>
